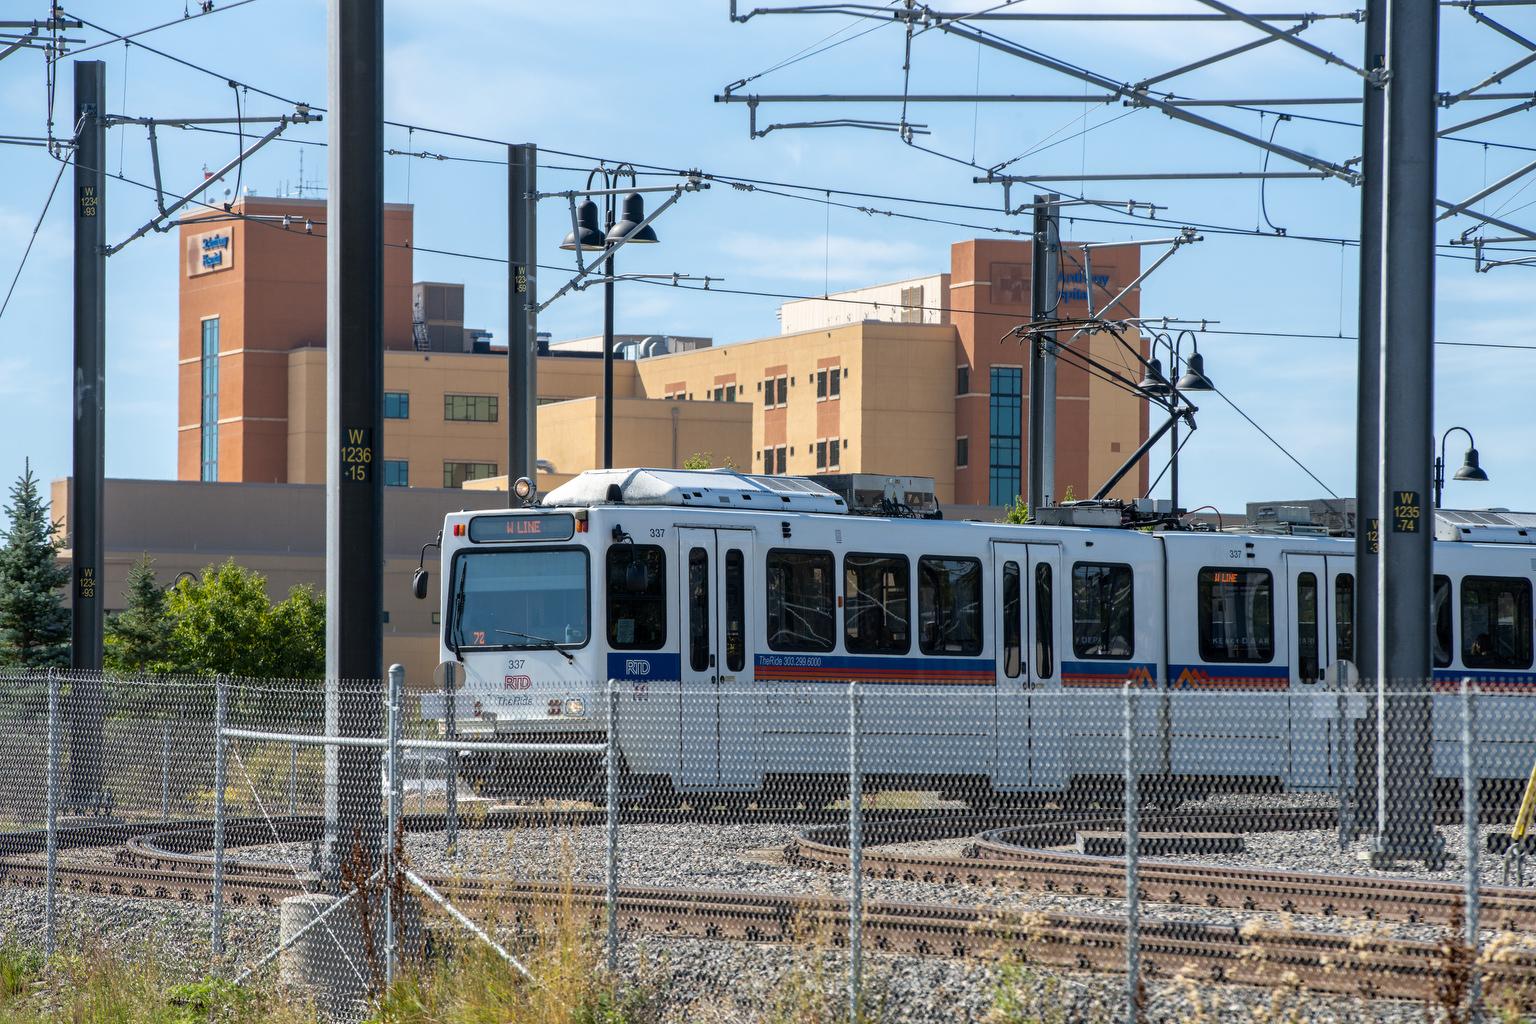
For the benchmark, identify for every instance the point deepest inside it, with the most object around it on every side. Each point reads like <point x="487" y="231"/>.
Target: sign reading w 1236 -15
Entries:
<point x="356" y="455"/>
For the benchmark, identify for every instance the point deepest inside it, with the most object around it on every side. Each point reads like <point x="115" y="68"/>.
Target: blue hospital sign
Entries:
<point x="210" y="251"/>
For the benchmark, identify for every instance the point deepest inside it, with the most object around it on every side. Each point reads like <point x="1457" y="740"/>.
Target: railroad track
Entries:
<point x="173" y="864"/>
<point x="1019" y="857"/>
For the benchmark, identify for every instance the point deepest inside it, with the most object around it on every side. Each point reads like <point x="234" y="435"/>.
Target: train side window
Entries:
<point x="1236" y="615"/>
<point x="637" y="590"/>
<point x="1344" y="617"/>
<point x="949" y="605"/>
<point x="1495" y="622"/>
<point x="1306" y="627"/>
<point x="735" y="611"/>
<point x="800" y="600"/>
<point x="1013" y="645"/>
<point x="1045" y="656"/>
<point x="1103" y="610"/>
<point x="877" y="604"/>
<point x="698" y="609"/>
<point x="1442" y="611"/>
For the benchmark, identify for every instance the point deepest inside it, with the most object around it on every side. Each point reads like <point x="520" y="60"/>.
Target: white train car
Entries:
<point x="732" y="610"/>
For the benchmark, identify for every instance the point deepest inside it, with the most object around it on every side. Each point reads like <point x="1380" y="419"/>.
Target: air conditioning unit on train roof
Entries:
<point x="694" y="488"/>
<point x="1490" y="526"/>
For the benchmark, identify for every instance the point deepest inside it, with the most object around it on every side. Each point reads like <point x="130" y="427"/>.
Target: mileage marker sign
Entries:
<point x="357" y="455"/>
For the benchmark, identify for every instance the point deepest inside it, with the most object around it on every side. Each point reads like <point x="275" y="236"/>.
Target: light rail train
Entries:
<point x="731" y="611"/>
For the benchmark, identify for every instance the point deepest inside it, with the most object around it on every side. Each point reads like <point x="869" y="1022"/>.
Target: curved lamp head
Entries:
<point x="628" y="226"/>
<point x="1153" y="382"/>
<point x="1194" y="378"/>
<point x="586" y="227"/>
<point x="1470" y="470"/>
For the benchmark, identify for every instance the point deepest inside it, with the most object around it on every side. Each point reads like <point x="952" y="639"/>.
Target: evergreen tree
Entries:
<point x="138" y="637"/>
<point x="34" y="624"/>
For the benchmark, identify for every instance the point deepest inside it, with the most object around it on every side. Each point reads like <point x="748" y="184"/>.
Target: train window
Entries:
<point x="1306" y="627"/>
<point x="800" y="600"/>
<point x="1045" y="657"/>
<point x="1495" y="622"/>
<point x="698" y="609"/>
<point x="1013" y="643"/>
<point x="949" y="605"/>
<point x="1236" y="615"/>
<point x="877" y="604"/>
<point x="1103" y="612"/>
<point x="1442" y="610"/>
<point x="637" y="591"/>
<point x="1344" y="617"/>
<point x="735" y="611"/>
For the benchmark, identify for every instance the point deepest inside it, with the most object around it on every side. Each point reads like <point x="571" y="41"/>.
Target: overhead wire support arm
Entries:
<point x="1287" y="36"/>
<point x="166" y="210"/>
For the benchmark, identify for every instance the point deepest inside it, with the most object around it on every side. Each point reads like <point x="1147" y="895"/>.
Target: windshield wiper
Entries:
<point x="545" y="643"/>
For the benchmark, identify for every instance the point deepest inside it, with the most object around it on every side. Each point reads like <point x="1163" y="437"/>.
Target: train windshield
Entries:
<point x="520" y="599"/>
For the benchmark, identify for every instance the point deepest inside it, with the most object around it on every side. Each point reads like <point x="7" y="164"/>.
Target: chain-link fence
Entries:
<point x="810" y="851"/>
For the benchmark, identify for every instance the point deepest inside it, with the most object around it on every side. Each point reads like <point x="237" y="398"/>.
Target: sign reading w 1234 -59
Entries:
<point x="210" y="251"/>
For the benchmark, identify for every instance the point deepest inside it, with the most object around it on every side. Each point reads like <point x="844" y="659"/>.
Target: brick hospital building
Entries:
<point x="910" y="378"/>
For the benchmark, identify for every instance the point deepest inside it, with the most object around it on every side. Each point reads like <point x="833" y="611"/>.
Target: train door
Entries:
<point x="715" y="594"/>
<point x="1024" y="585"/>
<point x="1320" y="602"/>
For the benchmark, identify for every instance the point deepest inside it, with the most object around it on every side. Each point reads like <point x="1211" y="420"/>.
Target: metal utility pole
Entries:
<point x="355" y="390"/>
<point x="1368" y="399"/>
<point x="522" y="316"/>
<point x="1043" y="290"/>
<point x="1404" y="574"/>
<point x="89" y="469"/>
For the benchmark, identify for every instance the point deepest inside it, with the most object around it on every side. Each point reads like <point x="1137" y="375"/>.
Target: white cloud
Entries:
<point x="846" y="260"/>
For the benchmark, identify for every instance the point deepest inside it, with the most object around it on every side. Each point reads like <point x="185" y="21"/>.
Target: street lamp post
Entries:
<point x="1470" y="469"/>
<point x="588" y="237"/>
<point x="1154" y="383"/>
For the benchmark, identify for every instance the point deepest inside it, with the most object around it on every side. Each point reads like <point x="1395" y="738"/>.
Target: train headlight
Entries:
<point x="524" y="488"/>
<point x="574" y="708"/>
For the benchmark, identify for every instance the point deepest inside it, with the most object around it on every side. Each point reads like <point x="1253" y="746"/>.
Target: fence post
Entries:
<point x="1470" y="819"/>
<point x="1132" y="851"/>
<point x="855" y="852"/>
<point x="165" y="771"/>
<point x="293" y="780"/>
<point x="52" y="872"/>
<point x="392" y="818"/>
<point x="611" y="758"/>
<point x="220" y="712"/>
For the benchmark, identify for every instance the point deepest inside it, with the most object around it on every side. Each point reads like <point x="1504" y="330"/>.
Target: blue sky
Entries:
<point x="635" y="81"/>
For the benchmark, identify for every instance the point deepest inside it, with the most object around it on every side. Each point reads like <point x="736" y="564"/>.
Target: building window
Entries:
<point x="962" y="380"/>
<point x="962" y="452"/>
<point x="1006" y="434"/>
<point x="210" y="408"/>
<point x="834" y="455"/>
<point x="821" y="385"/>
<point x="397" y="473"/>
<point x="397" y="405"/>
<point x="835" y="382"/>
<point x="821" y="455"/>
<point x="475" y="408"/>
<point x="782" y="398"/>
<point x="456" y="473"/>
<point x="783" y="459"/>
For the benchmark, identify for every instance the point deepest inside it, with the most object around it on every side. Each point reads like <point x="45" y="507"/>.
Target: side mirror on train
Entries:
<point x="419" y="583"/>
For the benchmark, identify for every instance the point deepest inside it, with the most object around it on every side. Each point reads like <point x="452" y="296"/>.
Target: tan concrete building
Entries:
<point x="908" y="378"/>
